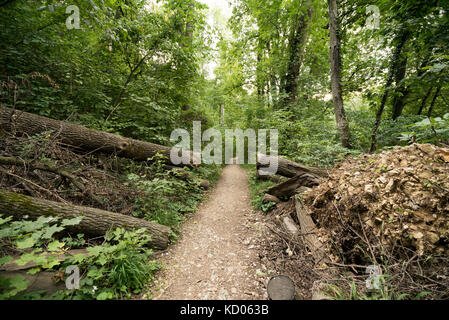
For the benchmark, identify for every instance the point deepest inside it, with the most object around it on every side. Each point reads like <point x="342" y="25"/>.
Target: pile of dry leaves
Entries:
<point x="396" y="202"/>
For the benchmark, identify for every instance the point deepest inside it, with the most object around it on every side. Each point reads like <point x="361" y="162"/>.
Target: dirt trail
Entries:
<point x="216" y="257"/>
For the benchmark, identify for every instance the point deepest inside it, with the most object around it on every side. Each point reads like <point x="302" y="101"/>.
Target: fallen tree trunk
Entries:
<point x="288" y="188"/>
<point x="275" y="179"/>
<point x="84" y="138"/>
<point x="95" y="222"/>
<point x="308" y="231"/>
<point x="267" y="198"/>
<point x="289" y="168"/>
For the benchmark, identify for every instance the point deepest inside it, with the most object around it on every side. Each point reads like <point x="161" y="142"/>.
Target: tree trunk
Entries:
<point x="424" y="101"/>
<point x="288" y="188"/>
<point x="81" y="137"/>
<point x="267" y="198"/>
<point x="402" y="39"/>
<point x="308" y="230"/>
<point x="95" y="222"/>
<point x="340" y="117"/>
<point x="429" y="113"/>
<point x="275" y="179"/>
<point x="401" y="90"/>
<point x="297" y="43"/>
<point x="289" y="168"/>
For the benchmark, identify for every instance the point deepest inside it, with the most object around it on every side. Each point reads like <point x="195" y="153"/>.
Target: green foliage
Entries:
<point x="114" y="270"/>
<point x="428" y="130"/>
<point x="389" y="133"/>
<point x="98" y="72"/>
<point x="165" y="198"/>
<point x="135" y="65"/>
<point x="31" y="238"/>
<point x="256" y="187"/>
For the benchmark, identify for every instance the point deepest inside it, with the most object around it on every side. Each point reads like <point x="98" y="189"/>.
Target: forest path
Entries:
<point x="215" y="258"/>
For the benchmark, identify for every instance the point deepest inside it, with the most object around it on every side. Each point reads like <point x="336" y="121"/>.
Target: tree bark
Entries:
<point x="81" y="137"/>
<point x="297" y="43"/>
<point x="95" y="222"/>
<point x="402" y="39"/>
<point x="275" y="179"/>
<point x="335" y="57"/>
<point x="432" y="104"/>
<point x="424" y="101"/>
<point x="308" y="229"/>
<point x="404" y="91"/>
<point x="288" y="188"/>
<point x="267" y="198"/>
<point x="289" y="169"/>
<point x="401" y="90"/>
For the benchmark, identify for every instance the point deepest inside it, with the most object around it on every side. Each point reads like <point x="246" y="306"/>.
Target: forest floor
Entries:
<point x="217" y="256"/>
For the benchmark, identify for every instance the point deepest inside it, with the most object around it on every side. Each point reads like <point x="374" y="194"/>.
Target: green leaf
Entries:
<point x="71" y="222"/>
<point x="95" y="251"/>
<point x="102" y="260"/>
<point x="79" y="258"/>
<point x="7" y="219"/>
<point x="31" y="257"/>
<point x="5" y="259"/>
<point x="422" y="294"/>
<point x="50" y="231"/>
<point x="105" y="295"/>
<point x="26" y="243"/>
<point x="52" y="262"/>
<point x="402" y="296"/>
<point x="19" y="284"/>
<point x="55" y="246"/>
<point x="34" y="270"/>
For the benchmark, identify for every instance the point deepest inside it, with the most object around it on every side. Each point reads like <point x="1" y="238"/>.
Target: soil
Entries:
<point x="217" y="256"/>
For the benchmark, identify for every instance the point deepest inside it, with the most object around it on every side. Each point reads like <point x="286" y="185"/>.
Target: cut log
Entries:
<point x="41" y="281"/>
<point x="308" y="230"/>
<point x="281" y="288"/>
<point x="288" y="188"/>
<point x="267" y="198"/>
<point x="81" y="137"/>
<point x="61" y="257"/>
<point x="95" y="222"/>
<point x="260" y="177"/>
<point x="204" y="184"/>
<point x="289" y="168"/>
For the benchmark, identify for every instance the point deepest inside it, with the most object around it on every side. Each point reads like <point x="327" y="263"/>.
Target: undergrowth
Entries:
<point x="116" y="266"/>
<point x="256" y="187"/>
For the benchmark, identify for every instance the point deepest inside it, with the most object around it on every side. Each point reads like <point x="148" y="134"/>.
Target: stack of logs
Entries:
<point x="95" y="222"/>
<point x="300" y="179"/>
